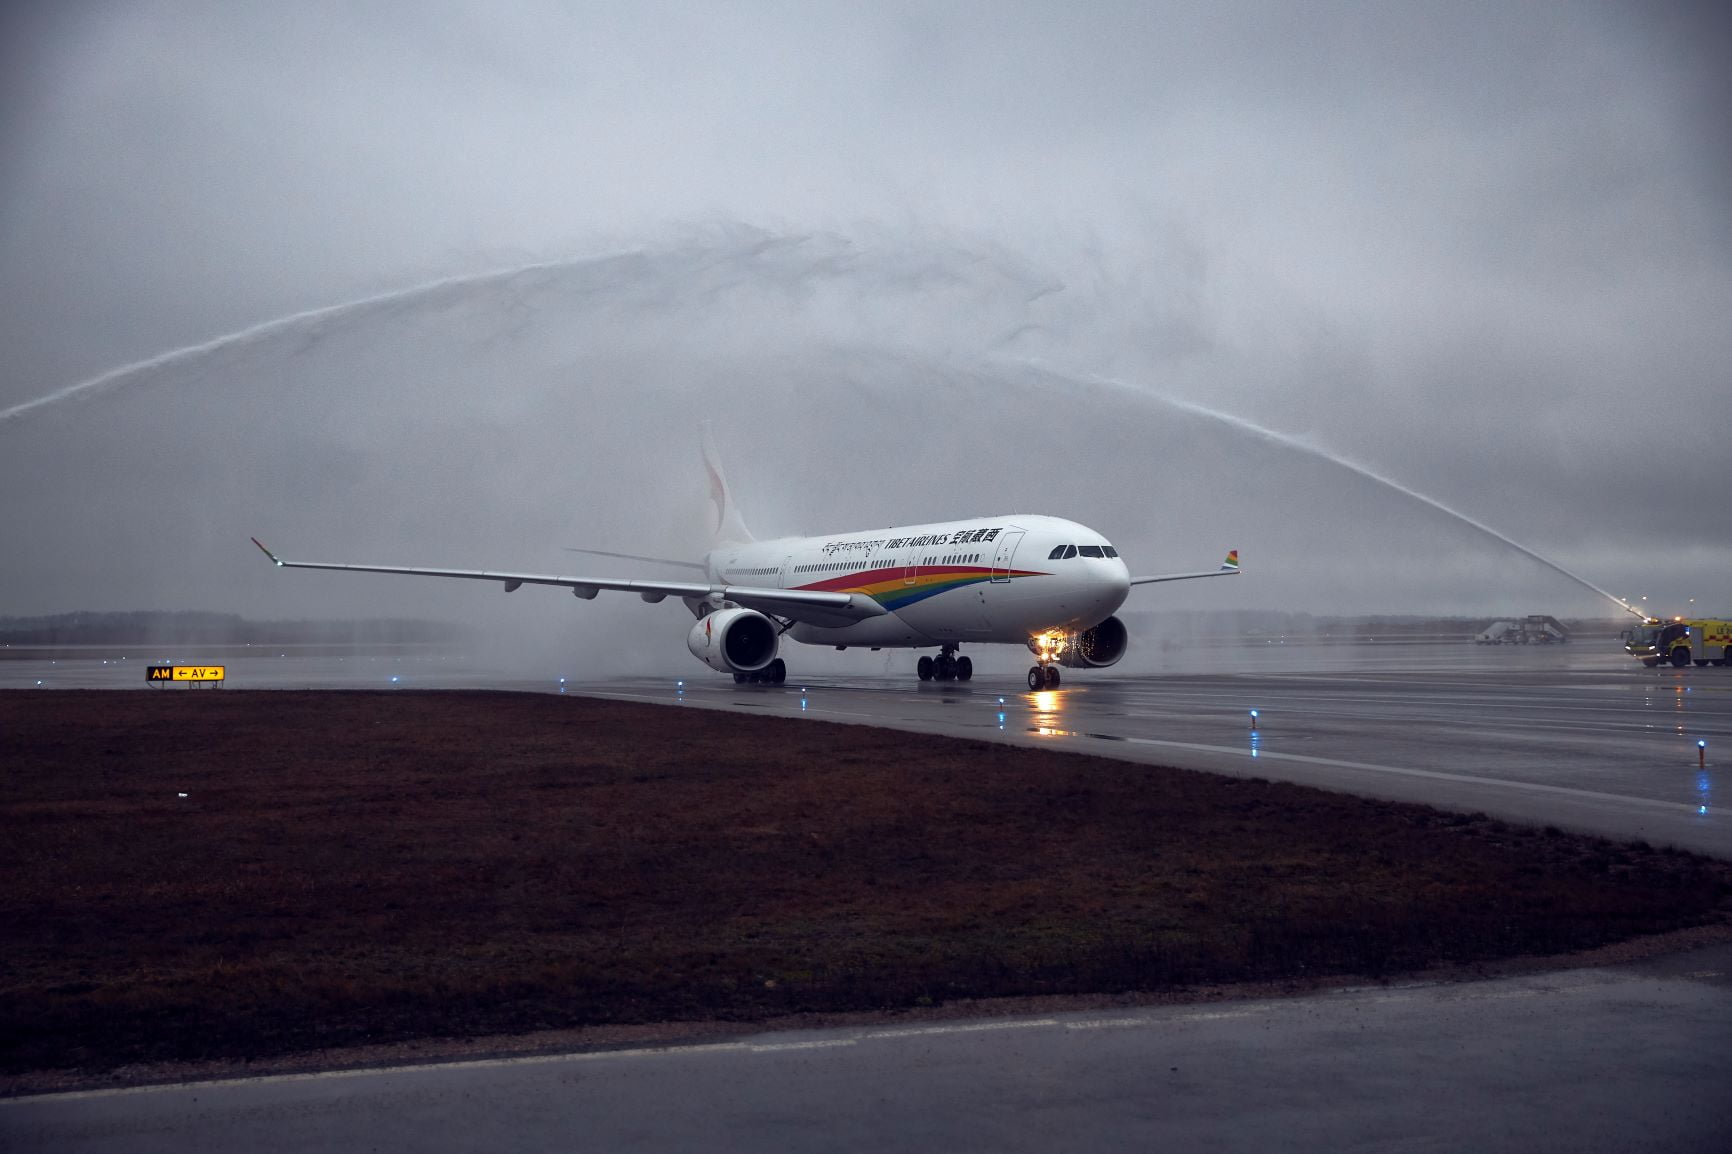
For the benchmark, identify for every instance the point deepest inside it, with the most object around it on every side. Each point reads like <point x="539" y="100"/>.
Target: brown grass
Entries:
<point x="355" y="867"/>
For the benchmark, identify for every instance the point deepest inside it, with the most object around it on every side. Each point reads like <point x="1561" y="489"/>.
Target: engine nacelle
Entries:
<point x="1098" y="647"/>
<point x="734" y="640"/>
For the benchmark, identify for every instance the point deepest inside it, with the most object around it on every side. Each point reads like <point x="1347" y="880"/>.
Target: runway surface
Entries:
<point x="1622" y="1059"/>
<point x="1577" y="736"/>
<point x="1609" y="1059"/>
<point x="1609" y="748"/>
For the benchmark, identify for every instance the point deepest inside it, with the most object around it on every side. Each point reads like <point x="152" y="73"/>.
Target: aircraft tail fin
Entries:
<point x="727" y="527"/>
<point x="1232" y="561"/>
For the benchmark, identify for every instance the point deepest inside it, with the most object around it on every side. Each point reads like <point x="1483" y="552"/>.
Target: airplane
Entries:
<point x="1050" y="584"/>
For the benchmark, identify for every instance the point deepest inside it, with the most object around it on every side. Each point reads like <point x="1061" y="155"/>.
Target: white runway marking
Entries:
<point x="1429" y="774"/>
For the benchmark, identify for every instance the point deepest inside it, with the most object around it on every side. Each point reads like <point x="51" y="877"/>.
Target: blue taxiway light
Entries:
<point x="1702" y="744"/>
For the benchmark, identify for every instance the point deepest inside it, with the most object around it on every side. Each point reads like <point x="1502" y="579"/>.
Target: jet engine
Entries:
<point x="1098" y="647"/>
<point x="735" y="640"/>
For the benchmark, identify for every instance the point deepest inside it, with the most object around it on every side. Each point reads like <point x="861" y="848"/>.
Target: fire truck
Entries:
<point x="1704" y="640"/>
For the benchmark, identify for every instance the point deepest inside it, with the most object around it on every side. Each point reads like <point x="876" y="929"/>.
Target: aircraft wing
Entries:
<point x="1228" y="568"/>
<point x="812" y="606"/>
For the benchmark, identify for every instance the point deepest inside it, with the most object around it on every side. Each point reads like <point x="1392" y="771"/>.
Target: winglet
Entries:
<point x="265" y="551"/>
<point x="1231" y="563"/>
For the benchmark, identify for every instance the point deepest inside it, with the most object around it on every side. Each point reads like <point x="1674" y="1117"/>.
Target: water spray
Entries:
<point x="123" y="374"/>
<point x="1295" y="443"/>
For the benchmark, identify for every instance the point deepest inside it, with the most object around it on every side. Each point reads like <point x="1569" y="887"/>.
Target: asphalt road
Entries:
<point x="1622" y="1059"/>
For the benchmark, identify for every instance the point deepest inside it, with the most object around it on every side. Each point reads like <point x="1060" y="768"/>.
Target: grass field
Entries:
<point x="365" y="867"/>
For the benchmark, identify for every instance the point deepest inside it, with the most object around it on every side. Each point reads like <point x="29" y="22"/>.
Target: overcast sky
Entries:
<point x="1483" y="249"/>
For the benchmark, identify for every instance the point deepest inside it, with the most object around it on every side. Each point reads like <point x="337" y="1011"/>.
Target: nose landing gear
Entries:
<point x="945" y="667"/>
<point x="1043" y="677"/>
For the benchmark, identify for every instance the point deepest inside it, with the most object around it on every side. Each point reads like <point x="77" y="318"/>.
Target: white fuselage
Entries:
<point x="984" y="579"/>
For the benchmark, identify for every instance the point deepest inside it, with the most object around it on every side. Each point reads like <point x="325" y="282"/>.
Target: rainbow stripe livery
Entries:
<point x="895" y="588"/>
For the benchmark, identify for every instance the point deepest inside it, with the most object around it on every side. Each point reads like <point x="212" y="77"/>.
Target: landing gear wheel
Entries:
<point x="776" y="672"/>
<point x="1052" y="677"/>
<point x="944" y="667"/>
<point x="964" y="669"/>
<point x="1037" y="677"/>
<point x="924" y="668"/>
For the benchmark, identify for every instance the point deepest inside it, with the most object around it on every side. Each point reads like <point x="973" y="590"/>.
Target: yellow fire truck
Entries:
<point x="1704" y="640"/>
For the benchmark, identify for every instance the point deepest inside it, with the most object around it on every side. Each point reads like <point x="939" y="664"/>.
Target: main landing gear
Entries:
<point x="1043" y="677"/>
<point x="774" y="673"/>
<point x="945" y="667"/>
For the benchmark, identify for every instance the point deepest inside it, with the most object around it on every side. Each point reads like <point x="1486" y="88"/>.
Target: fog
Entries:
<point x="914" y="263"/>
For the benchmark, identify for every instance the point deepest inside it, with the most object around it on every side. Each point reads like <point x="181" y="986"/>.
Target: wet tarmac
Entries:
<point x="1612" y="1059"/>
<point x="1577" y="736"/>
<point x="1602" y="746"/>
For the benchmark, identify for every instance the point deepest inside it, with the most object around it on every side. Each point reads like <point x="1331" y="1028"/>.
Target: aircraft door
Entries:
<point x="1006" y="551"/>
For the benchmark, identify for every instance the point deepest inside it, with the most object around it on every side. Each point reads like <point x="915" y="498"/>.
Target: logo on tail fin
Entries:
<point x="729" y="527"/>
<point x="1232" y="561"/>
<point x="718" y="495"/>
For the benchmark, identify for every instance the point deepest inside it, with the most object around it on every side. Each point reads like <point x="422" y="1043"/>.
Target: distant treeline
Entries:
<point x="151" y="627"/>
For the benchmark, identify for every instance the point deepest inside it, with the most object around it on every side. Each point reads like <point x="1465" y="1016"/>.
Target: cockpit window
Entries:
<point x="1089" y="550"/>
<point x="1069" y="552"/>
<point x="1109" y="551"/>
<point x="1057" y="552"/>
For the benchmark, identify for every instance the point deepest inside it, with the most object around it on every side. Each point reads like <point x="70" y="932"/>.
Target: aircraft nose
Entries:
<point x="1115" y="585"/>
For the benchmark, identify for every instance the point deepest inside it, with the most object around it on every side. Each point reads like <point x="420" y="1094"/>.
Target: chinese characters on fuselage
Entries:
<point x="959" y="537"/>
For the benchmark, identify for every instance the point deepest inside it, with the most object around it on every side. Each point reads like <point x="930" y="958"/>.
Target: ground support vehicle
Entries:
<point x="1680" y="641"/>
